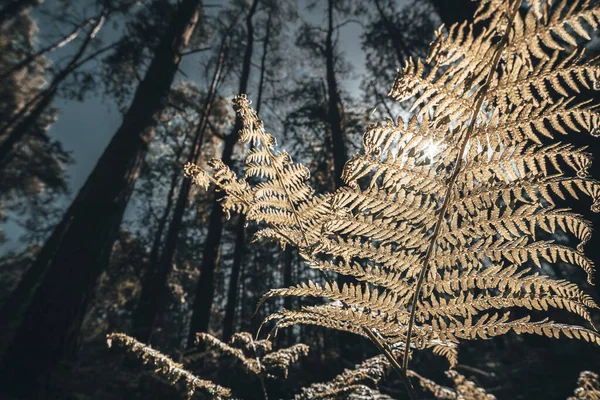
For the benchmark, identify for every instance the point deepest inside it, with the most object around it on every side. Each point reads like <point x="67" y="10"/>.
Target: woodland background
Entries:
<point x="89" y="177"/>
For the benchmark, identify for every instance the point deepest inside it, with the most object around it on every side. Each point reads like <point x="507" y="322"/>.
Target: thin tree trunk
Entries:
<point x="16" y="8"/>
<point x="162" y="222"/>
<point x="335" y="112"/>
<point x="287" y="338"/>
<point x="49" y="333"/>
<point x="153" y="294"/>
<point x="240" y="236"/>
<point x="150" y="275"/>
<point x="22" y="122"/>
<point x="203" y="301"/>
<point x="232" y="290"/>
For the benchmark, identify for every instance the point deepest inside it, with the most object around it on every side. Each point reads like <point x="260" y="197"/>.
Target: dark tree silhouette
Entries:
<point x="153" y="292"/>
<point x="78" y="250"/>
<point x="205" y="288"/>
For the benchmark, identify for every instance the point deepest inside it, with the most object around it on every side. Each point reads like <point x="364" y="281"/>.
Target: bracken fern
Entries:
<point x="444" y="220"/>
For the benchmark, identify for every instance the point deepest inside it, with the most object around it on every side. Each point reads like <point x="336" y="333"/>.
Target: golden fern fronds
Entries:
<point x="166" y="367"/>
<point x="354" y="382"/>
<point x="588" y="387"/>
<point x="348" y="382"/>
<point x="464" y="389"/>
<point x="257" y="356"/>
<point x="281" y="199"/>
<point x="445" y="218"/>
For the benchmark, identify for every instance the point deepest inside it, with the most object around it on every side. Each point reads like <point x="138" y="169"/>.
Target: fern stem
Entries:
<point x="393" y="361"/>
<point x="263" y="387"/>
<point x="459" y="160"/>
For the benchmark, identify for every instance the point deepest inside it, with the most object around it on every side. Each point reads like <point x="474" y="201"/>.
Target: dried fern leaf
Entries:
<point x="166" y="367"/>
<point x="588" y="387"/>
<point x="447" y="217"/>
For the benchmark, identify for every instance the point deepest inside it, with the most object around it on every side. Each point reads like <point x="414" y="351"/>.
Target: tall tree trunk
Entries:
<point x="240" y="236"/>
<point x="335" y="111"/>
<point x="74" y="258"/>
<point x="16" y="8"/>
<point x="150" y="275"/>
<point x="22" y="122"/>
<point x="232" y="290"/>
<point x="153" y="294"/>
<point x="350" y="344"/>
<point x="162" y="222"/>
<point x="205" y="287"/>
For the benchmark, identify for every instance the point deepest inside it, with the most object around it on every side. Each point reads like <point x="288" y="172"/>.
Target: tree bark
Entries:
<point x="78" y="251"/>
<point x="153" y="294"/>
<point x="203" y="301"/>
<point x="240" y="236"/>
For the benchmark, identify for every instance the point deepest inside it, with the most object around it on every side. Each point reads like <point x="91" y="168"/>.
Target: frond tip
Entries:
<point x="257" y="356"/>
<point x="588" y="387"/>
<point x="165" y="366"/>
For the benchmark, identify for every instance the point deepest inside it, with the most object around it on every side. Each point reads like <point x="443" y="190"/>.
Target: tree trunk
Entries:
<point x="49" y="333"/>
<point x="153" y="295"/>
<point x="16" y="8"/>
<point x="162" y="222"/>
<point x="203" y="301"/>
<point x="22" y="122"/>
<point x="287" y="337"/>
<point x="232" y="290"/>
<point x="205" y="287"/>
<point x="240" y="236"/>
<point x="150" y="275"/>
<point x="350" y="344"/>
<point x="335" y="113"/>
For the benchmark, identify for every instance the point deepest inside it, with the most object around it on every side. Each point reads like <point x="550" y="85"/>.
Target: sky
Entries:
<point x="85" y="128"/>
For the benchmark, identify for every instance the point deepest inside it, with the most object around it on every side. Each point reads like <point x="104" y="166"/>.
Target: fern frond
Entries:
<point x="281" y="360"/>
<point x="445" y="215"/>
<point x="352" y="294"/>
<point x="588" y="387"/>
<point x="250" y="364"/>
<point x="551" y="26"/>
<point x="166" y="367"/>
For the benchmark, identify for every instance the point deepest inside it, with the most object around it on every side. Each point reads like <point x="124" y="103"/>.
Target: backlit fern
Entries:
<point x="446" y="218"/>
